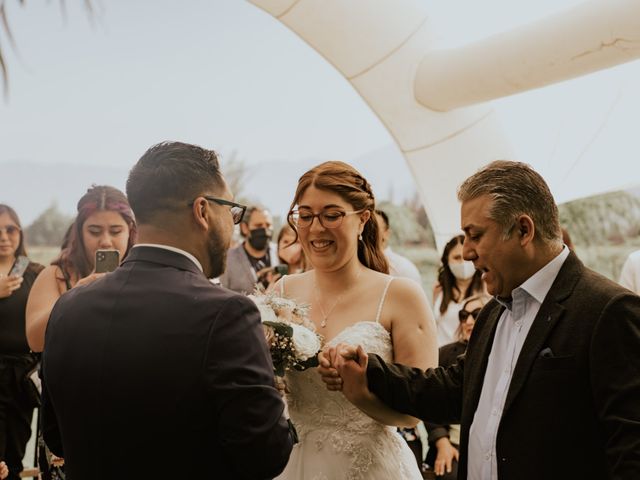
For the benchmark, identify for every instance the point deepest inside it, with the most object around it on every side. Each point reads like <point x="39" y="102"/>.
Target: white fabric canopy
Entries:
<point x="383" y="47"/>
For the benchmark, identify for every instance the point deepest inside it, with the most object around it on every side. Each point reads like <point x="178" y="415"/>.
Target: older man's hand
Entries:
<point x="351" y="364"/>
<point x="344" y="368"/>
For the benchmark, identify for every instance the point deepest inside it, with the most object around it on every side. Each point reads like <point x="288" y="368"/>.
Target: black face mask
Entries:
<point x="259" y="238"/>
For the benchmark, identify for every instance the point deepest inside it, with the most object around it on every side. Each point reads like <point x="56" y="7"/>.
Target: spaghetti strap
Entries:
<point x="384" y="295"/>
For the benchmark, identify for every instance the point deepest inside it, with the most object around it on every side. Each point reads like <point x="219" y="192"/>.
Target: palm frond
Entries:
<point x="5" y="27"/>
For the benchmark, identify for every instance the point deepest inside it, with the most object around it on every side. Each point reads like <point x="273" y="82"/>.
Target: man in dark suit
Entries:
<point x="549" y="387"/>
<point x="152" y="371"/>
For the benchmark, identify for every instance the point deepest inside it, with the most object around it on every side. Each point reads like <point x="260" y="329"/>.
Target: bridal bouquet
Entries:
<point x="290" y="334"/>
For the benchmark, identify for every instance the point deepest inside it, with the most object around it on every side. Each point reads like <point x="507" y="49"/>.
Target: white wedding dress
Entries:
<point x="338" y="441"/>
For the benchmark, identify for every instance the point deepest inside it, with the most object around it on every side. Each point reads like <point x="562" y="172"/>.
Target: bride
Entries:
<point x="354" y="301"/>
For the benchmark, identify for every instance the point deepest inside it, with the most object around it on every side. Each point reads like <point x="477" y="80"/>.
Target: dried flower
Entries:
<point x="289" y="332"/>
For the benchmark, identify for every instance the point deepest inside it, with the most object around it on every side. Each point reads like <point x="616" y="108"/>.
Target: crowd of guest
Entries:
<point x="105" y="221"/>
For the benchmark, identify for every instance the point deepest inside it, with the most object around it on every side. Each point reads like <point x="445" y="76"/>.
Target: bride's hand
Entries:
<point x="326" y="370"/>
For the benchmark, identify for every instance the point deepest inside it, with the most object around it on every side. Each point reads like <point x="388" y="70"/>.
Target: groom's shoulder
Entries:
<point x="230" y="300"/>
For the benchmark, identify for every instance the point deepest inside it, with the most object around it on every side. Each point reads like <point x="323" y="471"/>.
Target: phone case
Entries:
<point x="107" y="260"/>
<point x="19" y="267"/>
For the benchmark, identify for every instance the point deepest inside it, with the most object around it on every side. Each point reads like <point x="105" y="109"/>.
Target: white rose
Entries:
<point x="306" y="343"/>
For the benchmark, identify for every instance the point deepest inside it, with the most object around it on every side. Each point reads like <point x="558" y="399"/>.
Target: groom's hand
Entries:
<point x="326" y="369"/>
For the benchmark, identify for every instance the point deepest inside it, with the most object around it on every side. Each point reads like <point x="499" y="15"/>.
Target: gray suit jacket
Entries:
<point x="239" y="275"/>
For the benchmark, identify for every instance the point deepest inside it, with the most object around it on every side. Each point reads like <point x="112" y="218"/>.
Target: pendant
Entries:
<point x="323" y="323"/>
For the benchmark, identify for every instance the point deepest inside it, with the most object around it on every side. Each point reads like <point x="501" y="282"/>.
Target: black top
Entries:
<point x="448" y="355"/>
<point x="13" y="339"/>
<point x="258" y="263"/>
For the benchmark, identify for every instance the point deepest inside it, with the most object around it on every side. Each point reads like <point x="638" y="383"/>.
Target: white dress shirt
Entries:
<point x="511" y="332"/>
<point x="172" y="249"/>
<point x="630" y="275"/>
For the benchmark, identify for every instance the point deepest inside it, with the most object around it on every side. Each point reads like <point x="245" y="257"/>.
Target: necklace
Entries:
<point x="325" y="315"/>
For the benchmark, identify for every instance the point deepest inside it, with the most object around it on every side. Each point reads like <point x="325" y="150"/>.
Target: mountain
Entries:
<point x="31" y="187"/>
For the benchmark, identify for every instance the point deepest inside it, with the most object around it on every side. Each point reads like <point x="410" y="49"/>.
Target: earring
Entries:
<point x="360" y="237"/>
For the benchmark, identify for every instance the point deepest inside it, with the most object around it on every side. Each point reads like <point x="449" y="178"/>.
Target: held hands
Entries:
<point x="344" y="368"/>
<point x="8" y="285"/>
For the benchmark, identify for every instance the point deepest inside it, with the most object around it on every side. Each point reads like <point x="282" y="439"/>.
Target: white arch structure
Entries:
<point x="434" y="102"/>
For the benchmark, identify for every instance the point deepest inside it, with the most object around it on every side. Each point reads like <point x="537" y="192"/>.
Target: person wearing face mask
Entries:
<point x="457" y="281"/>
<point x="251" y="263"/>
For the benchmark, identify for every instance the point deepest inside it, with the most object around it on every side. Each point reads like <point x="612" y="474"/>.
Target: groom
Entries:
<point x="152" y="371"/>
<point x="549" y="387"/>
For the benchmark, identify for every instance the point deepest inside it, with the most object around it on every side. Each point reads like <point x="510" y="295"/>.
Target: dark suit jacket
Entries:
<point x="153" y="372"/>
<point x="447" y="355"/>
<point x="572" y="411"/>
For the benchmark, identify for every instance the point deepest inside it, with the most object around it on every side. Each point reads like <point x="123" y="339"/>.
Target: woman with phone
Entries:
<point x="105" y="221"/>
<point x="18" y="396"/>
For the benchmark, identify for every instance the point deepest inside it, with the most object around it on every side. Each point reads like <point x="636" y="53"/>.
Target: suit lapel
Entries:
<point x="476" y="361"/>
<point x="550" y="313"/>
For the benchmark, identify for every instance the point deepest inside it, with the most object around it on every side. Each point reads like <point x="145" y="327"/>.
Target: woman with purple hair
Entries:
<point x="104" y="221"/>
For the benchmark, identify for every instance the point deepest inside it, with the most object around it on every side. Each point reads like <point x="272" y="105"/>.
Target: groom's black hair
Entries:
<point x="169" y="175"/>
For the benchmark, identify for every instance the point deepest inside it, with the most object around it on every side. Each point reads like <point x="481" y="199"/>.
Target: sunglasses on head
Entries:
<point x="463" y="315"/>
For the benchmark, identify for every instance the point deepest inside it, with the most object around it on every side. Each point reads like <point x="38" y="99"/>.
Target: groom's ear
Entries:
<point x="200" y="213"/>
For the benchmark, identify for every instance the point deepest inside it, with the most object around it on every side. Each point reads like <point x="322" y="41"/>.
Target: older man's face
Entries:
<point x="485" y="246"/>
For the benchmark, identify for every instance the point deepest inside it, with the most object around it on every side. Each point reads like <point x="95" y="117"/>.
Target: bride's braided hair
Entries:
<point x="344" y="180"/>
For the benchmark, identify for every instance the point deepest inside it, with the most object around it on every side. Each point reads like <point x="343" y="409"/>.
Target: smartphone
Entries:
<point x="19" y="267"/>
<point x="107" y="260"/>
<point x="281" y="269"/>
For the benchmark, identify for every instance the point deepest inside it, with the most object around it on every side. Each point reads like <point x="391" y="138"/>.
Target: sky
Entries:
<point x="100" y="89"/>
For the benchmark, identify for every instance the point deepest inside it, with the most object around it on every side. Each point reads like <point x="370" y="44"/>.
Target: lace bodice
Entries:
<point x="336" y="424"/>
<point x="338" y="441"/>
<point x="312" y="405"/>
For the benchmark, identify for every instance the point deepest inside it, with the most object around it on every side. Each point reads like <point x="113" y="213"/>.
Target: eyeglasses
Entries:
<point x="463" y="315"/>
<point x="237" y="210"/>
<point x="328" y="218"/>
<point x="11" y="230"/>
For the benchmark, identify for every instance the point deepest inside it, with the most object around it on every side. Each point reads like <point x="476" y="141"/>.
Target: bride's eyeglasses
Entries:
<point x="328" y="218"/>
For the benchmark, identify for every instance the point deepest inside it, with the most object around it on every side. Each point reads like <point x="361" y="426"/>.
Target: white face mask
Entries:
<point x="462" y="271"/>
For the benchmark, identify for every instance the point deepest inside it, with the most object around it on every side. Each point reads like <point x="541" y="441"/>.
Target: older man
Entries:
<point x="550" y="385"/>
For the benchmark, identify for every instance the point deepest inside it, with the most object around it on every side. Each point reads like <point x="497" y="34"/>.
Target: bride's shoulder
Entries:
<point x="403" y="289"/>
<point x="288" y="285"/>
